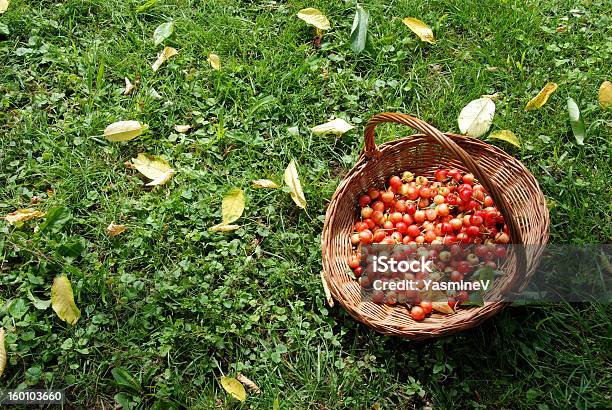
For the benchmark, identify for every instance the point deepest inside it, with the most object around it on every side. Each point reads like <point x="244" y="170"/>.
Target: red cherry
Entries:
<point x="373" y="193"/>
<point x="472" y="230"/>
<point x="419" y="216"/>
<point x="402" y="227"/>
<point x="400" y="206"/>
<point x="370" y="222"/>
<point x="354" y="262"/>
<point x="426" y="306"/>
<point x="378" y="296"/>
<point x="395" y="182"/>
<point x="388" y="225"/>
<point x="387" y="196"/>
<point x="366" y="236"/>
<point x="379" y="236"/>
<point x="441" y="175"/>
<point x="465" y="195"/>
<point x="358" y="271"/>
<point x="413" y="231"/>
<point x="366" y="212"/>
<point x="360" y="226"/>
<point x="417" y="313"/>
<point x="411" y="208"/>
<point x="364" y="200"/>
<point x="425" y="192"/>
<point x="468" y="179"/>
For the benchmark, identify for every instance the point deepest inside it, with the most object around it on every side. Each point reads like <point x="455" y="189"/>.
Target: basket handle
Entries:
<point x="371" y="151"/>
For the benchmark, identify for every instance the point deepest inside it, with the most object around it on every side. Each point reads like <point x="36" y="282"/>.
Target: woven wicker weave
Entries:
<point x="514" y="190"/>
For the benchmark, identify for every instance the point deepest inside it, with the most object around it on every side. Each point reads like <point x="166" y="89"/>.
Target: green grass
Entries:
<point x="177" y="305"/>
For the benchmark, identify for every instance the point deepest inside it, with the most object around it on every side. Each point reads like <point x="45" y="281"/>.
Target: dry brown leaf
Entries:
<point x="22" y="215"/>
<point x="539" y="100"/>
<point x="114" y="229"/>
<point x="164" y="55"/>
<point x="248" y="383"/>
<point x="264" y="183"/>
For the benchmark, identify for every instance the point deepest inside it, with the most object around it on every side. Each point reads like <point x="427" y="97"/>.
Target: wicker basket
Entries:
<point x="514" y="190"/>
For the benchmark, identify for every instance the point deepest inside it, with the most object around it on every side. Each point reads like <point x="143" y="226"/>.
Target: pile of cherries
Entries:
<point x="452" y="214"/>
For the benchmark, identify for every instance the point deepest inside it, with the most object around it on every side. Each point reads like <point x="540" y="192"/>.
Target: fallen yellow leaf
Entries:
<point x="605" y="94"/>
<point x="539" y="100"/>
<point x="124" y="130"/>
<point x="165" y="54"/>
<point x="2" y="351"/>
<point x="22" y="215"/>
<point x="182" y="128"/>
<point x="336" y="127"/>
<point x="232" y="206"/>
<point x="420" y="29"/>
<point x="506" y="135"/>
<point x="214" y="61"/>
<point x="314" y="17"/>
<point x="3" y="5"/>
<point x="264" y="183"/>
<point x="62" y="300"/>
<point x="442" y="307"/>
<point x="222" y="227"/>
<point x="293" y="182"/>
<point x="233" y="387"/>
<point x="154" y="168"/>
<point x="114" y="229"/>
<point x="128" y="86"/>
<point x="328" y="296"/>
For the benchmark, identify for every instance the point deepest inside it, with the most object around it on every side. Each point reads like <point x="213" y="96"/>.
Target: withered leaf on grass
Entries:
<point x="232" y="208"/>
<point x="328" y="296"/>
<point x="124" y="130"/>
<point x="114" y="229"/>
<point x="233" y="387"/>
<point x="22" y="215"/>
<point x="420" y="29"/>
<point x="506" y="135"/>
<point x="182" y="128"/>
<point x="62" y="300"/>
<point x="162" y="32"/>
<point x="605" y="94"/>
<point x="336" y="127"/>
<point x="163" y="56"/>
<point x="539" y="100"/>
<point x="153" y="167"/>
<point x="128" y="86"/>
<point x="314" y="17"/>
<point x="475" y="118"/>
<point x="3" y="5"/>
<point x="214" y="61"/>
<point x="2" y="352"/>
<point x="292" y="180"/>
<point x="264" y="183"/>
<point x="248" y="383"/>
